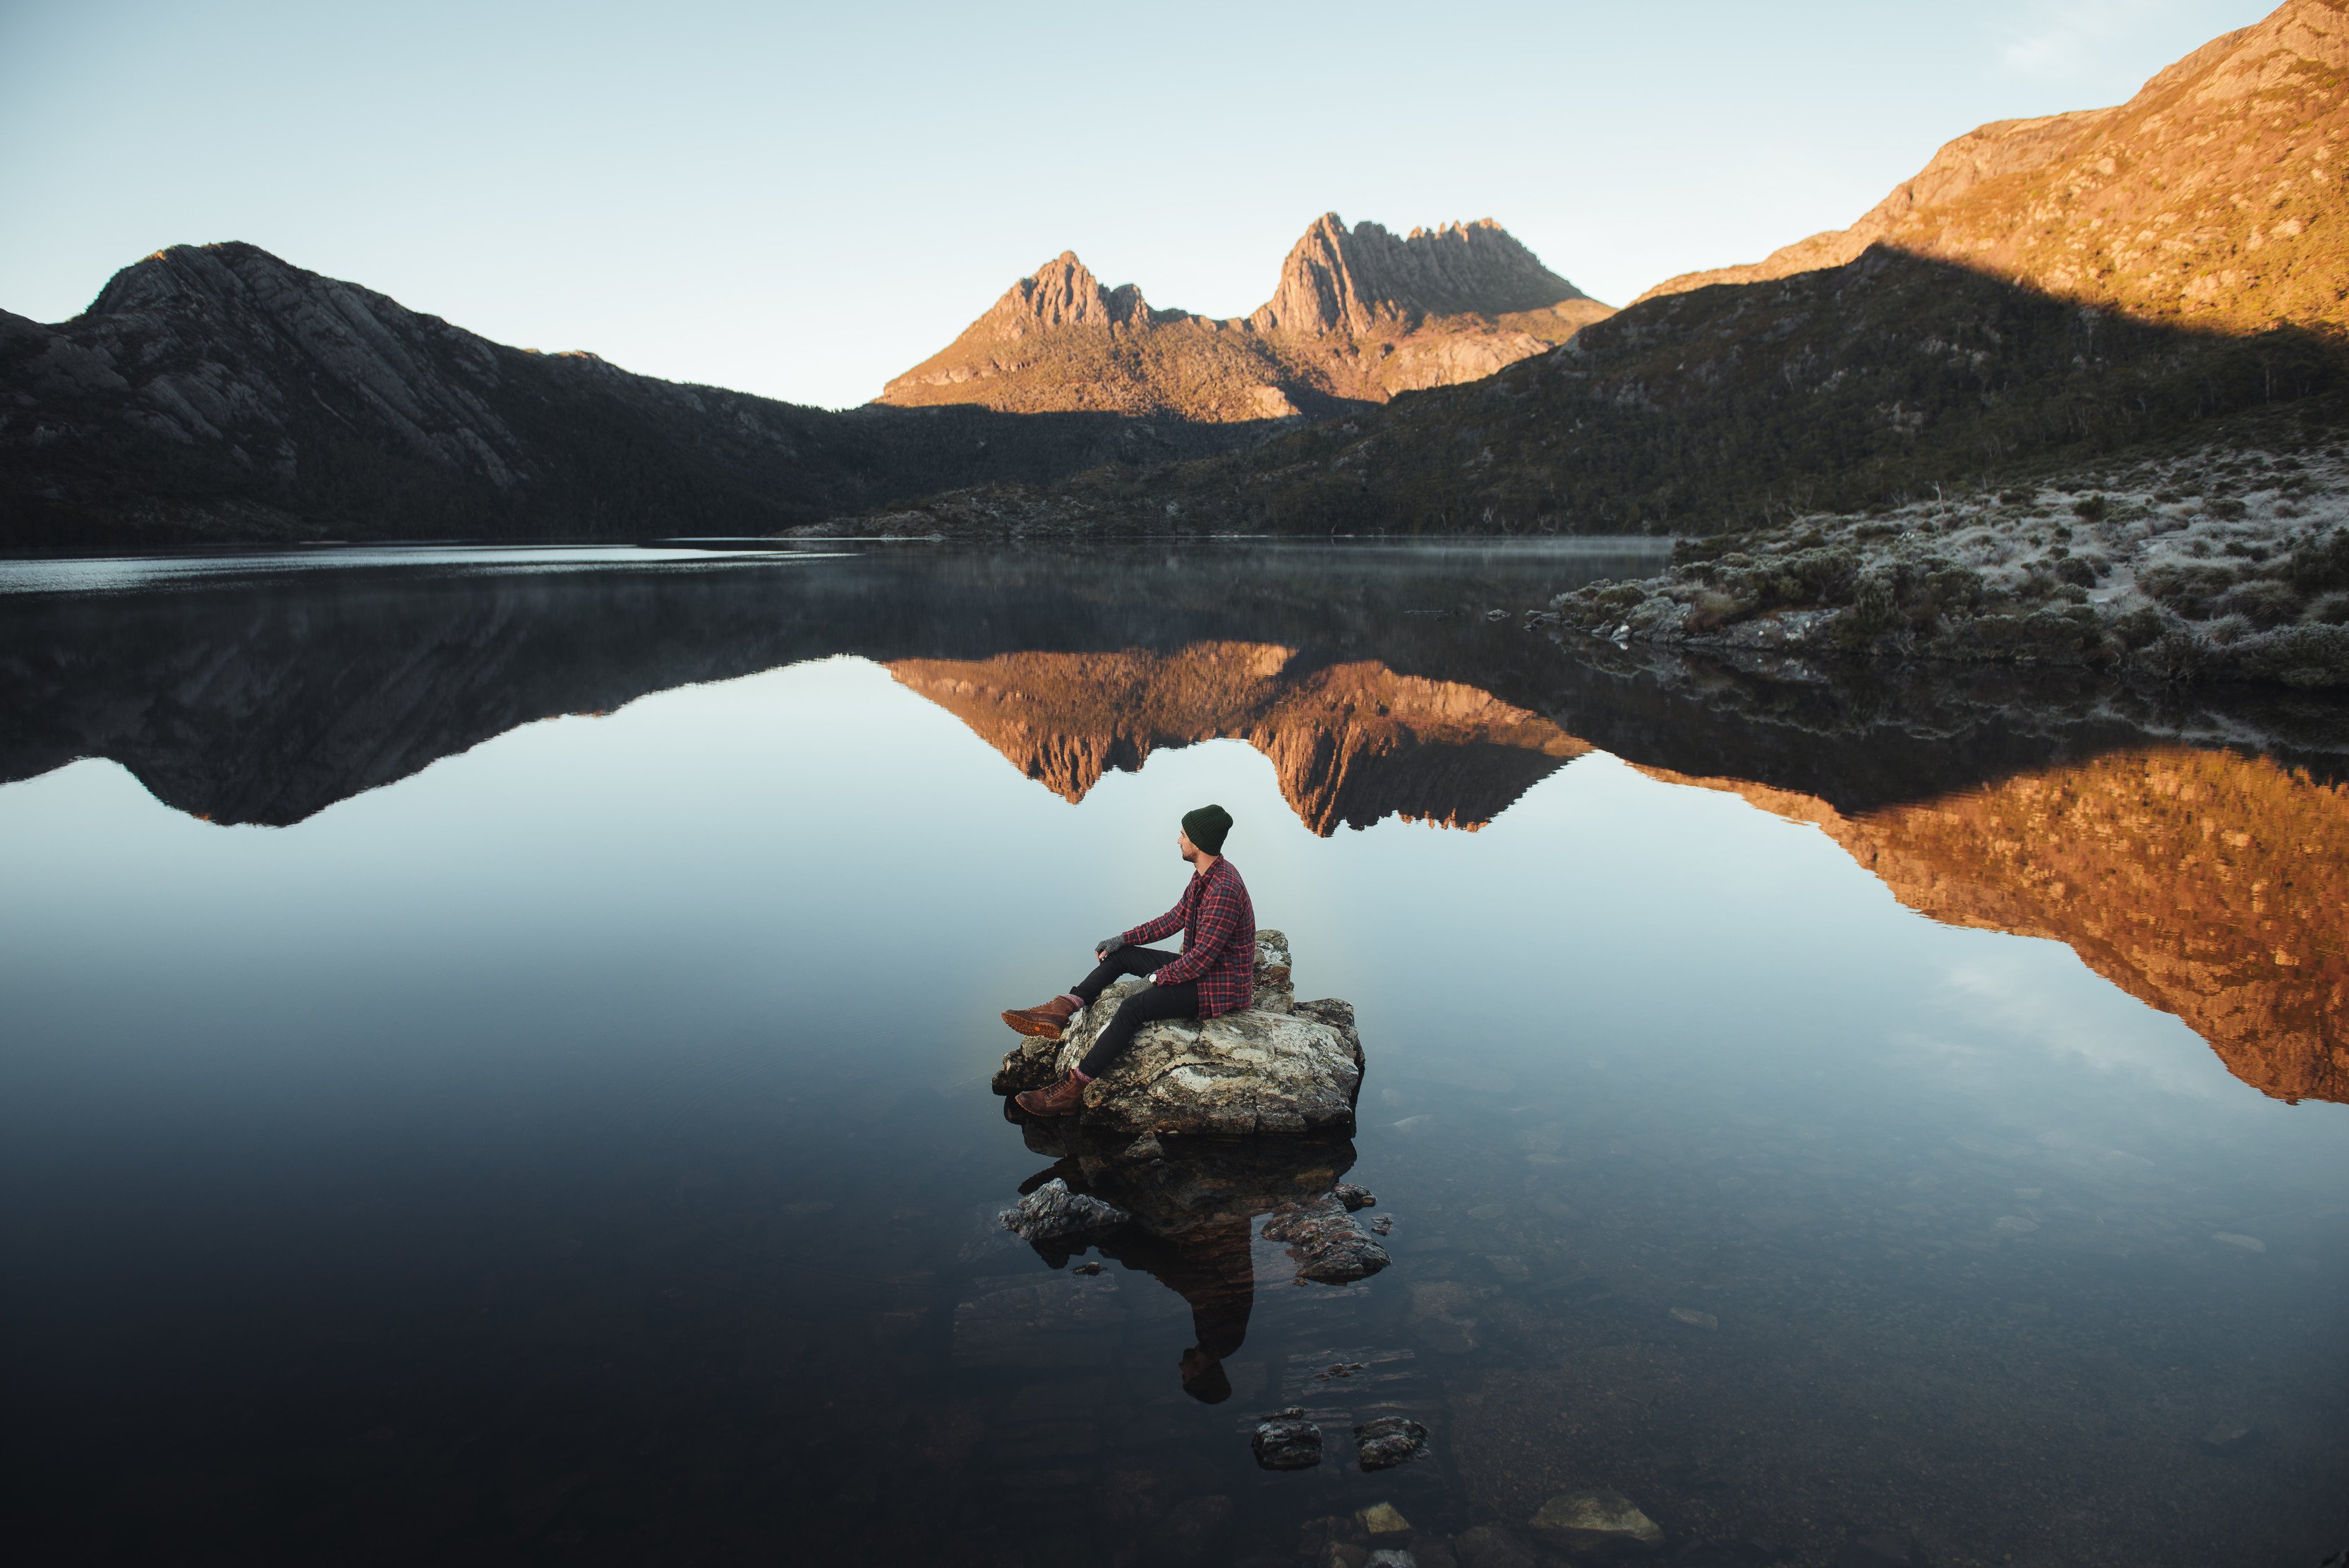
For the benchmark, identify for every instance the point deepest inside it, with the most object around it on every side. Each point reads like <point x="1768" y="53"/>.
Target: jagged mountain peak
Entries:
<point x="1338" y="279"/>
<point x="1063" y="292"/>
<point x="1358" y="316"/>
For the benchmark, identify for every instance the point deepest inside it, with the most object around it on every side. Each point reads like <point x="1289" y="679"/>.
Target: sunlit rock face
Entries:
<point x="2206" y="884"/>
<point x="1351" y="743"/>
<point x="2212" y="197"/>
<point x="1357" y="316"/>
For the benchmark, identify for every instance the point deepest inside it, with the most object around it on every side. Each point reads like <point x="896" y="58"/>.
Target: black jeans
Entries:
<point x="1147" y="1005"/>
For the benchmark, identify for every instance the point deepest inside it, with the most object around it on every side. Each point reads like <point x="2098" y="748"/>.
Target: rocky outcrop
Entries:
<point x="1278" y="1066"/>
<point x="1363" y="280"/>
<point x="2213" y="196"/>
<point x="1352" y="743"/>
<point x="1357" y="316"/>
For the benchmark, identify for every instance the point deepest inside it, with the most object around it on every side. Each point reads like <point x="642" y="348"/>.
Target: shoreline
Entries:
<point x="2228" y="564"/>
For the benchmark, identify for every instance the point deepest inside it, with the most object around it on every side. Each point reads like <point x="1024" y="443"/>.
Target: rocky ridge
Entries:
<point x="2061" y="290"/>
<point x="1358" y="316"/>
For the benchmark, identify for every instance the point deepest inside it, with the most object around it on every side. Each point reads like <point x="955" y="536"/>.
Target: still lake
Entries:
<point x="496" y="1054"/>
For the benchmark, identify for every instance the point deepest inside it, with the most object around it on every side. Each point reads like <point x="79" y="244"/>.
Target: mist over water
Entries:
<point x="543" y="1113"/>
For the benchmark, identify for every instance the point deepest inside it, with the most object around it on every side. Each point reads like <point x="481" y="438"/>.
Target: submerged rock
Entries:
<point x="1593" y="1522"/>
<point x="1053" y="1214"/>
<point x="1329" y="1247"/>
<point x="1288" y="1441"/>
<point x="2229" y="1436"/>
<point x="1490" y="1546"/>
<point x="1280" y="1066"/>
<point x="1388" y="1441"/>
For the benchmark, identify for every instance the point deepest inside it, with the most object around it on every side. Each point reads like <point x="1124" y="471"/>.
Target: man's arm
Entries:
<point x="1166" y="925"/>
<point x="1219" y="921"/>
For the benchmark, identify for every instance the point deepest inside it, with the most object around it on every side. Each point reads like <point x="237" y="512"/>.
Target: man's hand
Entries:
<point x="1107" y="946"/>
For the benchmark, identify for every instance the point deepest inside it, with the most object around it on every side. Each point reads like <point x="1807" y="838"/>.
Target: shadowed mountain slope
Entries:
<point x="1357" y="316"/>
<point x="216" y="391"/>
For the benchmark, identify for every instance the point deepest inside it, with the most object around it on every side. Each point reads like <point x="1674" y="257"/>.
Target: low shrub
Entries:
<point x="2264" y="602"/>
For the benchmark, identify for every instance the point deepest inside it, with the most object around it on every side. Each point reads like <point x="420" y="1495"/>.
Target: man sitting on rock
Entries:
<point x="1215" y="974"/>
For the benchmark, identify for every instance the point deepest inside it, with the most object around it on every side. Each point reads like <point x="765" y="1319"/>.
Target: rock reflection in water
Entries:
<point x="1192" y="1208"/>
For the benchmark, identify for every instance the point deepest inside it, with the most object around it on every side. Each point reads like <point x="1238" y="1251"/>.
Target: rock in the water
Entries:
<point x="1053" y="1214"/>
<point x="2229" y="1436"/>
<point x="1489" y="1546"/>
<point x="1383" y="1518"/>
<point x="1391" y="1557"/>
<point x="1383" y="1225"/>
<point x="1278" y="1066"/>
<point x="1197" y="1528"/>
<point x="1353" y="1197"/>
<point x="1288" y="1441"/>
<point x="1329" y="1247"/>
<point x="1694" y="1318"/>
<point x="1595" y="1522"/>
<point x="1388" y="1441"/>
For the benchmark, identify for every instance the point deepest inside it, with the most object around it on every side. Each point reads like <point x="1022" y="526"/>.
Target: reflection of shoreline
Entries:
<point x="1351" y="743"/>
<point x="2205" y="883"/>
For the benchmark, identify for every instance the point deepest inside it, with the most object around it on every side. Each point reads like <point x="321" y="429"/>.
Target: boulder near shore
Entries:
<point x="1278" y="1066"/>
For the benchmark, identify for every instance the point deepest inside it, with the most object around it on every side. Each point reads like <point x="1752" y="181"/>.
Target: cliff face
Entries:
<point x="2206" y="884"/>
<point x="1351" y="743"/>
<point x="2212" y="197"/>
<point x="1357" y="316"/>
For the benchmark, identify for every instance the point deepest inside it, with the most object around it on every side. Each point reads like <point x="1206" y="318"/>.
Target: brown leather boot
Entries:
<point x="1065" y="1098"/>
<point x="1047" y="1021"/>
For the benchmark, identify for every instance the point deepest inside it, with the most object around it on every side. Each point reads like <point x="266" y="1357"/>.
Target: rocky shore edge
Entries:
<point x="2222" y="565"/>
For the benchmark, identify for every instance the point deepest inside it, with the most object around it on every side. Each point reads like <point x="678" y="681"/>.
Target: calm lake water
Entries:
<point x="496" y="1062"/>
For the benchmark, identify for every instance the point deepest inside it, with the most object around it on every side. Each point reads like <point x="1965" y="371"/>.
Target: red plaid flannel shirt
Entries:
<point x="1218" y="926"/>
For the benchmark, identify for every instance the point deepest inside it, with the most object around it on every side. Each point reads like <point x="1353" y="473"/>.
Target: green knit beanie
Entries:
<point x="1206" y="827"/>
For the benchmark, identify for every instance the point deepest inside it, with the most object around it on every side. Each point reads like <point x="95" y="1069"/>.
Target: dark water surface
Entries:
<point x="496" y="1050"/>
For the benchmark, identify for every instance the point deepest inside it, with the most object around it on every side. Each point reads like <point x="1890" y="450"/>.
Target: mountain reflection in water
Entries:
<point x="2207" y="884"/>
<point x="580" y="1149"/>
<point x="1351" y="743"/>
<point x="2204" y="880"/>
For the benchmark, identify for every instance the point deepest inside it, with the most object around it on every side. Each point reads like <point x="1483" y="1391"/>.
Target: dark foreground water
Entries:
<point x="495" y="1062"/>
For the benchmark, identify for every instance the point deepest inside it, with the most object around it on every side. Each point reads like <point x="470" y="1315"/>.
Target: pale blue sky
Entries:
<point x="803" y="201"/>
